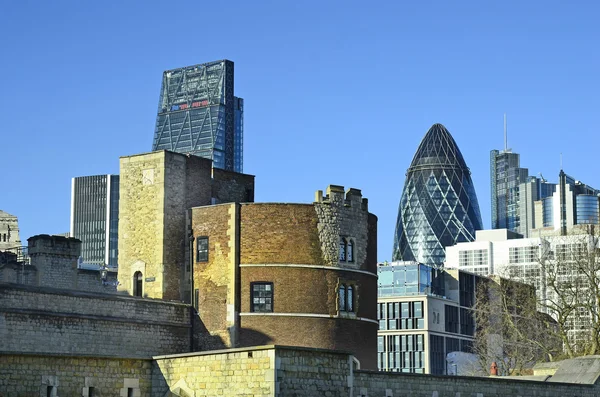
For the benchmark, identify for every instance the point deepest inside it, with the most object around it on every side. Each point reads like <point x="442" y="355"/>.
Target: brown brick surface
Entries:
<point x="279" y="233"/>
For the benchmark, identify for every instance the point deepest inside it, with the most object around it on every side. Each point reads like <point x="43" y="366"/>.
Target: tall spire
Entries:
<point x="505" y="135"/>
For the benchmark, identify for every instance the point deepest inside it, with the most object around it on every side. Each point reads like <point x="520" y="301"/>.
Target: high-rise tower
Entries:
<point x="95" y="218"/>
<point x="438" y="207"/>
<point x="506" y="175"/>
<point x="198" y="114"/>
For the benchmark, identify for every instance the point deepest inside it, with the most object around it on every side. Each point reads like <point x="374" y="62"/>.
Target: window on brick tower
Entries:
<point x="202" y="249"/>
<point x="261" y="297"/>
<point x="346" y="298"/>
<point x="343" y="246"/>
<point x="350" y="251"/>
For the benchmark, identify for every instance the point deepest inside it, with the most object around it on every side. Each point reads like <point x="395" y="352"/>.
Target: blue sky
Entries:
<point x="335" y="92"/>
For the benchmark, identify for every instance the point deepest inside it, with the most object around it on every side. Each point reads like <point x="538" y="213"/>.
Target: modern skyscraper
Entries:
<point x="95" y="218"/>
<point x="439" y="206"/>
<point x="198" y="114"/>
<point x="571" y="203"/>
<point x="506" y="177"/>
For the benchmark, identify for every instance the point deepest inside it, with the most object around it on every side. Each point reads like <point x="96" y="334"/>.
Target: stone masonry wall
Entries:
<point x="9" y="231"/>
<point x="44" y="320"/>
<point x="141" y="221"/>
<point x="312" y="372"/>
<point x="387" y="384"/>
<point x="73" y="376"/>
<point x="214" y="279"/>
<point x="237" y="372"/>
<point x="55" y="258"/>
<point x="344" y="215"/>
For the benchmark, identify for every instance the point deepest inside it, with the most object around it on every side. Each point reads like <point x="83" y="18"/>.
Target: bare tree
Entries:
<point x="510" y="329"/>
<point x="515" y="329"/>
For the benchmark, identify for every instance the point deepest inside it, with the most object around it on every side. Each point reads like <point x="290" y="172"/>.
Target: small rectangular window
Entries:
<point x="129" y="392"/>
<point x="261" y="297"/>
<point x="91" y="392"/>
<point x="202" y="249"/>
<point x="196" y="298"/>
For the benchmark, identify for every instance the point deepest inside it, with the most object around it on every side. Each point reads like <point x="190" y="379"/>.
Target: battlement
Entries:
<point x="54" y="245"/>
<point x="335" y="195"/>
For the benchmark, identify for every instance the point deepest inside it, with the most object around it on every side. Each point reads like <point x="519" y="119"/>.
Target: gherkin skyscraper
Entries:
<point x="439" y="206"/>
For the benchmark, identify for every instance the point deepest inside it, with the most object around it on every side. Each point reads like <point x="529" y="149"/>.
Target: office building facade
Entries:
<point x="198" y="114"/>
<point x="535" y="261"/>
<point x="424" y="314"/>
<point x="571" y="203"/>
<point x="439" y="206"/>
<point x="506" y="176"/>
<point x="95" y="218"/>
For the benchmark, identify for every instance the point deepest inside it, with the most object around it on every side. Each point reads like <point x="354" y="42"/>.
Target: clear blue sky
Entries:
<point x="336" y="92"/>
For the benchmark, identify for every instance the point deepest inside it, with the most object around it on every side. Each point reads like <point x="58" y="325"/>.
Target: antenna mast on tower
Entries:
<point x="505" y="136"/>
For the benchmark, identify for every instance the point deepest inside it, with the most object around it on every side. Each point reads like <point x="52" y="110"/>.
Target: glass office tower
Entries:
<point x="506" y="176"/>
<point x="438" y="207"/>
<point x="198" y="114"/>
<point x="95" y="218"/>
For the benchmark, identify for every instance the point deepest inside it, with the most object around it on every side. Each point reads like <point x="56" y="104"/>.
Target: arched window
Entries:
<point x="350" y="251"/>
<point x="342" y="298"/>
<point x="137" y="283"/>
<point x="342" y="249"/>
<point x="350" y="298"/>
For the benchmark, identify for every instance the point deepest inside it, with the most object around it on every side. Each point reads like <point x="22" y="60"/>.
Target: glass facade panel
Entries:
<point x="413" y="279"/>
<point x="438" y="207"/>
<point x="587" y="209"/>
<point x="198" y="114"/>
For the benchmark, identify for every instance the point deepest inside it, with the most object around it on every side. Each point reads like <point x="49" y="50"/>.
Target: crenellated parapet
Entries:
<point x="44" y="244"/>
<point x="344" y="227"/>
<point x="336" y="195"/>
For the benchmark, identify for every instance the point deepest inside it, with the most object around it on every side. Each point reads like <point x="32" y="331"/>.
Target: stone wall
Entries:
<point x="236" y="372"/>
<point x="257" y="371"/>
<point x="55" y="259"/>
<point x="141" y="221"/>
<point x="345" y="215"/>
<point x="215" y="279"/>
<point x="157" y="190"/>
<point x="386" y="384"/>
<point x="49" y="321"/>
<point x="34" y="375"/>
<point x="9" y="231"/>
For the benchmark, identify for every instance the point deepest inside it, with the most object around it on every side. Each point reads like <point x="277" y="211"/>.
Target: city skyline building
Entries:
<point x="95" y="218"/>
<point x="571" y="203"/>
<point x="424" y="314"/>
<point x="506" y="177"/>
<point x="198" y="114"/>
<point x="438" y="207"/>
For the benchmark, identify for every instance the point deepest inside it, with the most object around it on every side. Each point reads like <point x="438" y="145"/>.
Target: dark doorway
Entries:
<point x="137" y="283"/>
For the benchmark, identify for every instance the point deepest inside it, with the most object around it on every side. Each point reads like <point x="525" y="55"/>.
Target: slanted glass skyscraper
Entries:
<point x="95" y="218"/>
<point x="438" y="207"/>
<point x="198" y="114"/>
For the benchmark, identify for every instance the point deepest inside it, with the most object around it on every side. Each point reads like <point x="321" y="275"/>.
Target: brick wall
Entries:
<point x="43" y="320"/>
<point x="283" y="244"/>
<point x="73" y="376"/>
